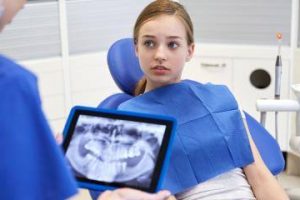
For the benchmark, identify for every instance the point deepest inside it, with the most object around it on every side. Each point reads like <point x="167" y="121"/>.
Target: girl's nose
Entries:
<point x="160" y="53"/>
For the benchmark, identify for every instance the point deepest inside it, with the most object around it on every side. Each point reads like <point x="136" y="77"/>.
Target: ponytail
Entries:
<point x="140" y="86"/>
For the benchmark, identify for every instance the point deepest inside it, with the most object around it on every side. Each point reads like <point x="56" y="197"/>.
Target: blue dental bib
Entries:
<point x="211" y="138"/>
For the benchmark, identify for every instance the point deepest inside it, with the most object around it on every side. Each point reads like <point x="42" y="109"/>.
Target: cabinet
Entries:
<point x="209" y="69"/>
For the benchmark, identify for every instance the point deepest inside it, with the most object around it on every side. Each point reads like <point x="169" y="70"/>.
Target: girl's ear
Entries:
<point x="190" y="52"/>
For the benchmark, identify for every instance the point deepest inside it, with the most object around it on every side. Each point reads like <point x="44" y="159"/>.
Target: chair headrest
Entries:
<point x="124" y="65"/>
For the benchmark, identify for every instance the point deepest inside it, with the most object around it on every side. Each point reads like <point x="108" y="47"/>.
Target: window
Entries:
<point x="93" y="25"/>
<point x="34" y="33"/>
<point x="240" y="22"/>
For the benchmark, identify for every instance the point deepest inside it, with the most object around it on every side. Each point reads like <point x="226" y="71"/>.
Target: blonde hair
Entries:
<point x="155" y="9"/>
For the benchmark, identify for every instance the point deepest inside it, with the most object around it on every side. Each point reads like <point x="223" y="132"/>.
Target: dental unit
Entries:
<point x="282" y="105"/>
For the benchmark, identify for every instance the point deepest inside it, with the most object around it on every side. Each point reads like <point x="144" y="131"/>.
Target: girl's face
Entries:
<point x="162" y="50"/>
<point x="11" y="8"/>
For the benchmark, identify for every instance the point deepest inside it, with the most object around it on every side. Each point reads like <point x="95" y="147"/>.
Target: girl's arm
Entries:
<point x="263" y="183"/>
<point x="132" y="194"/>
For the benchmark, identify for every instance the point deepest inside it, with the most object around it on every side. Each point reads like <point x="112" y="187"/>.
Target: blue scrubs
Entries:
<point x="32" y="166"/>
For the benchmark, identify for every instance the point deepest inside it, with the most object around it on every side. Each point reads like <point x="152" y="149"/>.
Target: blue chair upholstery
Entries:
<point x="266" y="145"/>
<point x="124" y="65"/>
<point x="125" y="70"/>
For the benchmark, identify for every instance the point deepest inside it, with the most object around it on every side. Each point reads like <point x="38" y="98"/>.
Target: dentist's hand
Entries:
<point x="132" y="194"/>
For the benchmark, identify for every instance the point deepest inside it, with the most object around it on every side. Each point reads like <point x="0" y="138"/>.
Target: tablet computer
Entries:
<point x="108" y="149"/>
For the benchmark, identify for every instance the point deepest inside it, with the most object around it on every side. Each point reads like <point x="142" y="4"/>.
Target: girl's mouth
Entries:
<point x="160" y="70"/>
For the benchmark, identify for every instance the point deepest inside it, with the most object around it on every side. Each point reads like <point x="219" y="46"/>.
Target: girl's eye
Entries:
<point x="173" y="45"/>
<point x="149" y="43"/>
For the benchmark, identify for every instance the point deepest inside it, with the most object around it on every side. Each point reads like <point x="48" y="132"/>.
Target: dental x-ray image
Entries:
<point x="115" y="150"/>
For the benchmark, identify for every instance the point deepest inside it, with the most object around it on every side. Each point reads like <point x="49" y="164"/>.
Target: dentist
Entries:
<point x="32" y="167"/>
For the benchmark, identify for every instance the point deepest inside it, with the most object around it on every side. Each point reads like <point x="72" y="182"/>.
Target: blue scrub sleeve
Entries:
<point x="32" y="166"/>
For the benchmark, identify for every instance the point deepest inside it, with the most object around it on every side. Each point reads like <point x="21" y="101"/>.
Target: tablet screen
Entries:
<point x="117" y="149"/>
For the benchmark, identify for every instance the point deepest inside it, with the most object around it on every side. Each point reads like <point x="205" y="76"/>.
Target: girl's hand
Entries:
<point x="132" y="194"/>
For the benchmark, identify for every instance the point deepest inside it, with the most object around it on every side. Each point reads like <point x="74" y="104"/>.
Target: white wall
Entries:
<point x="90" y="83"/>
<point x="90" y="80"/>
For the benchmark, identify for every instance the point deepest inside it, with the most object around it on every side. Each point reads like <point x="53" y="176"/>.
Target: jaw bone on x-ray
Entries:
<point x="112" y="150"/>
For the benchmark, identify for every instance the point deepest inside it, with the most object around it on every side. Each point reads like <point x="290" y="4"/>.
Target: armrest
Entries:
<point x="272" y="105"/>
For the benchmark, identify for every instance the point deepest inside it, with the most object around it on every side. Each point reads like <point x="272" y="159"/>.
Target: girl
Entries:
<point x="212" y="156"/>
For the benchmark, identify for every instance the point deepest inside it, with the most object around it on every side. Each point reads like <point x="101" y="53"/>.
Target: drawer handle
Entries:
<point x="213" y="65"/>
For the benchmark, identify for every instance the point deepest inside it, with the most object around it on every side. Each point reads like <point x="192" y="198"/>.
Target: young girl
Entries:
<point x="212" y="157"/>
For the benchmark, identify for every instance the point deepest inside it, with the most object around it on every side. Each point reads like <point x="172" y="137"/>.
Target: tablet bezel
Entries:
<point x="163" y="155"/>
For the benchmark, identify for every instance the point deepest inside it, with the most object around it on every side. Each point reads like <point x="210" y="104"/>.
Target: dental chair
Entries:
<point x="125" y="70"/>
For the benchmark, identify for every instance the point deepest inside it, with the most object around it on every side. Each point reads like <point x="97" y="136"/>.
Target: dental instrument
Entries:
<point x="278" y="72"/>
